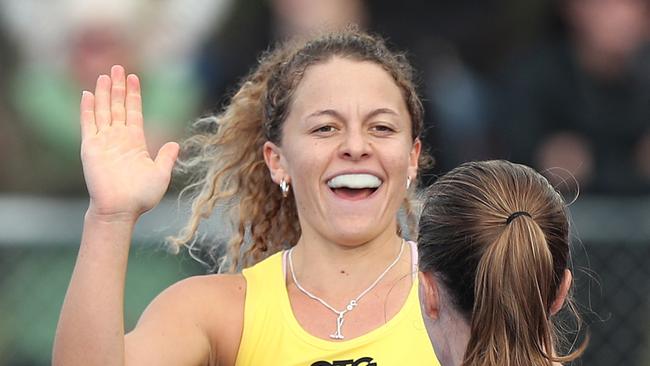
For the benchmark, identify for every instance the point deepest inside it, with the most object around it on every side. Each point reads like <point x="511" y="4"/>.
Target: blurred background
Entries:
<point x="561" y="85"/>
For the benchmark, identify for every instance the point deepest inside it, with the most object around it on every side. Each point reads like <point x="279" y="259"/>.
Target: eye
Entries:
<point x="324" y="130"/>
<point x="383" y="129"/>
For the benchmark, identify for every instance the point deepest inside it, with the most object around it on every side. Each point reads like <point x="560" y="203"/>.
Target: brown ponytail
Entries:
<point x="503" y="274"/>
<point x="225" y="157"/>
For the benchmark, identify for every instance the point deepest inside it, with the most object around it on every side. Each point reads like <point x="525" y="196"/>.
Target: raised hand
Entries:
<point x="122" y="178"/>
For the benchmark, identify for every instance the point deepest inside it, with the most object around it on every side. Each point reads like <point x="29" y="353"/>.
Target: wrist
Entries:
<point x="120" y="218"/>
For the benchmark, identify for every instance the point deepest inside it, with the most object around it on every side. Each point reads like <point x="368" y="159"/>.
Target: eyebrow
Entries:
<point x="335" y="114"/>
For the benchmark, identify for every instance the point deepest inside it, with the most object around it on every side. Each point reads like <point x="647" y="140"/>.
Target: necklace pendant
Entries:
<point x="339" y="325"/>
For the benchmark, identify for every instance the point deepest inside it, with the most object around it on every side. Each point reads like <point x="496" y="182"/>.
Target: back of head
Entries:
<point x="495" y="234"/>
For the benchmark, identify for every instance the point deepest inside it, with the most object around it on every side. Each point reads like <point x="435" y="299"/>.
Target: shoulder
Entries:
<point x="216" y="301"/>
<point x="194" y="293"/>
<point x="204" y="313"/>
<point x="208" y="286"/>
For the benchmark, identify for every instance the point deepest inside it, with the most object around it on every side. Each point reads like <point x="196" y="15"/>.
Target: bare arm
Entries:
<point x="197" y="321"/>
<point x="123" y="182"/>
<point x="91" y="326"/>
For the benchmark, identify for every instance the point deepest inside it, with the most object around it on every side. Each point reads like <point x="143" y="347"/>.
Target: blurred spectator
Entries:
<point x="65" y="44"/>
<point x="8" y="130"/>
<point x="456" y="47"/>
<point x="294" y="17"/>
<point x="257" y="24"/>
<point x="460" y="104"/>
<point x="582" y="104"/>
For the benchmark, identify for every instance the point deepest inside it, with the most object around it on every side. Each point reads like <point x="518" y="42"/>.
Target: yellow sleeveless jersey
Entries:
<point x="273" y="337"/>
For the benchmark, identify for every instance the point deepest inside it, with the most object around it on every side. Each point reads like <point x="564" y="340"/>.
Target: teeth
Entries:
<point x="354" y="181"/>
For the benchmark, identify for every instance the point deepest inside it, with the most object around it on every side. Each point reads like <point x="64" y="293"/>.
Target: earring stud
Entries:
<point x="284" y="187"/>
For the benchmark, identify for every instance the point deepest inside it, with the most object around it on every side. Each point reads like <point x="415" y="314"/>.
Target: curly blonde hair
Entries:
<point x="225" y="155"/>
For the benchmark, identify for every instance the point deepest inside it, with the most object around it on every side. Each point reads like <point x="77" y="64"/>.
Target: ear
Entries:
<point x="562" y="292"/>
<point x="275" y="162"/>
<point x="414" y="157"/>
<point x="430" y="297"/>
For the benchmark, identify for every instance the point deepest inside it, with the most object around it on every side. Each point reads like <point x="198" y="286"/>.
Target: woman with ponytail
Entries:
<point x="316" y="154"/>
<point x="494" y="262"/>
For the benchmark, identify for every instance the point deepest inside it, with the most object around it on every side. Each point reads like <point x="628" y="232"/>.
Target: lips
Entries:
<point x="354" y="187"/>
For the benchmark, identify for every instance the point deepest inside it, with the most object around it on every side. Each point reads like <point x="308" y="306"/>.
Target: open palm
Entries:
<point x="121" y="176"/>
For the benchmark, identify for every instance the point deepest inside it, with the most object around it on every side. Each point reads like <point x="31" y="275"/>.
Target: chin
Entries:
<point x="355" y="232"/>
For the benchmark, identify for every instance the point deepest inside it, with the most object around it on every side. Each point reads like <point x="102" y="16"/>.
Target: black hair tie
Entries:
<point x="516" y="214"/>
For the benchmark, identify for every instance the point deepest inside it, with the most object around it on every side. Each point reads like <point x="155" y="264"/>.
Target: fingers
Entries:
<point x="118" y="95"/>
<point x="87" y="114"/>
<point x="103" y="102"/>
<point x="133" y="101"/>
<point x="167" y="156"/>
<point x="117" y="100"/>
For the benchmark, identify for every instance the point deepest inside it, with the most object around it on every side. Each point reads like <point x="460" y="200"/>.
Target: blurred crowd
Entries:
<point x="561" y="85"/>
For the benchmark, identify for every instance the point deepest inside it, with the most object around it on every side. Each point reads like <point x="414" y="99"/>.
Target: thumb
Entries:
<point x="166" y="156"/>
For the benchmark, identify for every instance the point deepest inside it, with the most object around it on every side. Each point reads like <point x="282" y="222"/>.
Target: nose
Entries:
<point x="355" y="146"/>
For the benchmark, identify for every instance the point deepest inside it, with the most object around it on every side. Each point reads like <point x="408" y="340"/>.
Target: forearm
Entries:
<point x="91" y="325"/>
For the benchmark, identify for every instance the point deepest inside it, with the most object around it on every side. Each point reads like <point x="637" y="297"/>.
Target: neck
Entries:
<point x="449" y="332"/>
<point x="347" y="253"/>
<point x="327" y="267"/>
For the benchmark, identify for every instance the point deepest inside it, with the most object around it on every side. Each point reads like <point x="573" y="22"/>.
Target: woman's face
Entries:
<point x="347" y="150"/>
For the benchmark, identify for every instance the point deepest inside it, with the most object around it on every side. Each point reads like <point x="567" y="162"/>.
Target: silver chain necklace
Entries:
<point x="352" y="304"/>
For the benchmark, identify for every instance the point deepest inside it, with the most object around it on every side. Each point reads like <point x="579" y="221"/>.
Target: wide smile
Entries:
<point x="354" y="187"/>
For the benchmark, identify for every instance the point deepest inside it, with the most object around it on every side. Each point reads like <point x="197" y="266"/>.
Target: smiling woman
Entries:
<point x="301" y="97"/>
<point x="319" y="148"/>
